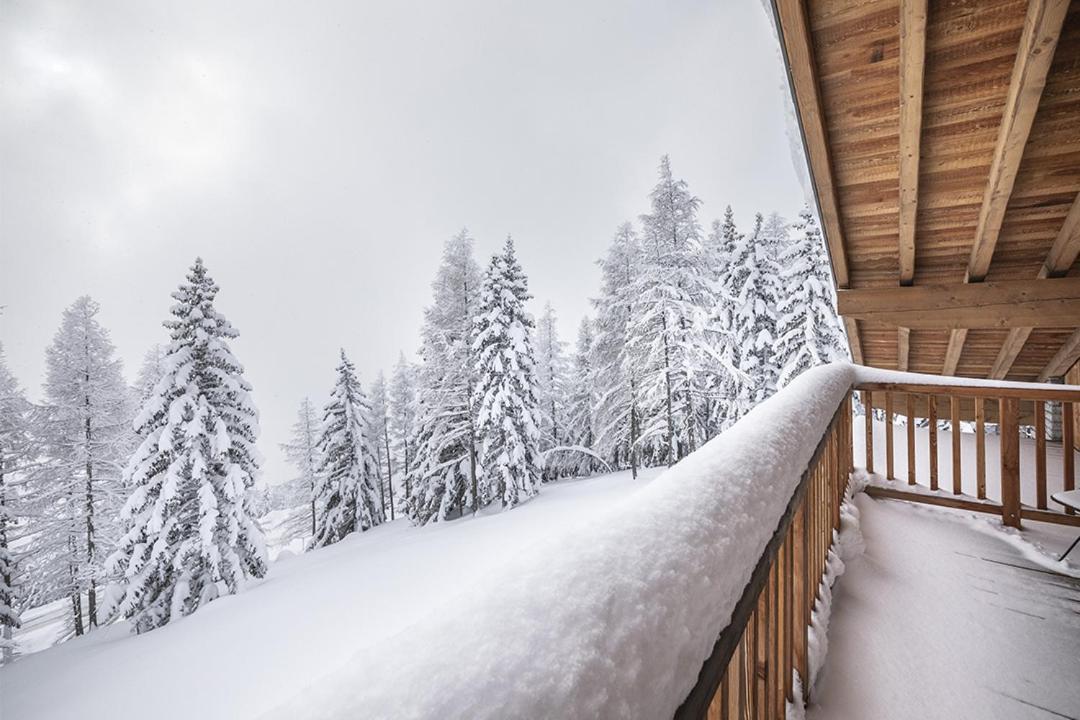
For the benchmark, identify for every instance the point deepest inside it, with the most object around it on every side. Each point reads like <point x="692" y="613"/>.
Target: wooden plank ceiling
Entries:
<point x="943" y="140"/>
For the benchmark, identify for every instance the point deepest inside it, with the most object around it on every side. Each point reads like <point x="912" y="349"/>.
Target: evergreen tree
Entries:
<point x="551" y="380"/>
<point x="756" y="306"/>
<point x="380" y="438"/>
<point x="617" y="415"/>
<point x="506" y="388"/>
<point x="809" y="330"/>
<point x="84" y="435"/>
<point x="14" y="411"/>
<point x="444" y="474"/>
<point x="303" y="452"/>
<point x="150" y="372"/>
<point x="582" y="399"/>
<point x="669" y="323"/>
<point x="402" y="415"/>
<point x="348" y="500"/>
<point x="191" y="533"/>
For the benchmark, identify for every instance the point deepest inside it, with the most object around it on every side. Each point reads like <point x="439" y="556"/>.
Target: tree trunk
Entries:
<point x="389" y="468"/>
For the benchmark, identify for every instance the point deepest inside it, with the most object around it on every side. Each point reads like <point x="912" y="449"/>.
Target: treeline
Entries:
<point x="140" y="502"/>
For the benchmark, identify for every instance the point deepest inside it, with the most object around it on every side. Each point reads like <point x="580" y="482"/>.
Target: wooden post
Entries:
<point x="868" y="404"/>
<point x="980" y="448"/>
<point x="799" y="595"/>
<point x="910" y="439"/>
<point x="1009" y="412"/>
<point x="954" y="422"/>
<point x="1040" y="454"/>
<point x="932" y="416"/>
<point x="889" y="474"/>
<point x="1068" y="465"/>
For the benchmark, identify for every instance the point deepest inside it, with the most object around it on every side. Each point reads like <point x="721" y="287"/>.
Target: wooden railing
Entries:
<point x="1012" y="409"/>
<point x="750" y="673"/>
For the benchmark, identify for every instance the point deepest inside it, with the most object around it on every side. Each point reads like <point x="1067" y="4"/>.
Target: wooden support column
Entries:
<point x="911" y="438"/>
<point x="1040" y="454"/>
<point x="931" y="402"/>
<point x="954" y="423"/>
<point x="889" y="437"/>
<point x="903" y="348"/>
<point x="1068" y="451"/>
<point x="980" y="448"/>
<point x="912" y="57"/>
<point x="868" y="404"/>
<point x="1009" y="413"/>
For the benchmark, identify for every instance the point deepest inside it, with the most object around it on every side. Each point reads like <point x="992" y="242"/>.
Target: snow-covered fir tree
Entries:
<point x="380" y="438"/>
<point x="809" y="331"/>
<point x="551" y="380"/>
<point x="14" y="431"/>
<point x="669" y="321"/>
<point x="302" y="452"/>
<point x="506" y="383"/>
<point x="756" y="304"/>
<point x="444" y="476"/>
<point x="150" y="372"/>
<point x="581" y="401"/>
<point x="85" y="438"/>
<point x="190" y="531"/>
<point x="402" y="415"/>
<point x="348" y="496"/>
<point x="616" y="413"/>
<point x="727" y="391"/>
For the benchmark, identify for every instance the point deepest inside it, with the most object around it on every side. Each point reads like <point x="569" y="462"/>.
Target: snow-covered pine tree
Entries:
<point x="348" y="500"/>
<point x="506" y="382"/>
<point x="551" y="383"/>
<point x="149" y="373"/>
<point x="727" y="247"/>
<point x="444" y="476"/>
<point x="191" y="534"/>
<point x="14" y="410"/>
<point x="669" y="323"/>
<point x="85" y="437"/>
<point x="380" y="438"/>
<point x="303" y="452"/>
<point x="809" y="330"/>
<point x="757" y="308"/>
<point x="402" y="415"/>
<point x="582" y="399"/>
<point x="616" y="412"/>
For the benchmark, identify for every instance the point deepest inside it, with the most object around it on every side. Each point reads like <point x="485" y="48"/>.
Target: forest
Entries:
<point x="143" y="500"/>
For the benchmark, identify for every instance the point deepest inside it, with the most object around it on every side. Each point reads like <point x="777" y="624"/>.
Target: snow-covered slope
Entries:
<point x="243" y="655"/>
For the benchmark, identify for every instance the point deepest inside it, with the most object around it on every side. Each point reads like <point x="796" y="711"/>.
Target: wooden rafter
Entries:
<point x="1062" y="255"/>
<point x="912" y="62"/>
<point x="1042" y="27"/>
<point x="1065" y="358"/>
<point x="797" y="47"/>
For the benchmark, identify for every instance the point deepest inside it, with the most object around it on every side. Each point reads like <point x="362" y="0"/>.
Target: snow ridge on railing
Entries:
<point x="615" y="617"/>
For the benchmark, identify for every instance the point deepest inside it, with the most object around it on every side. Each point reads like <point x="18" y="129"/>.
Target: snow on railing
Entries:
<point x="617" y="617"/>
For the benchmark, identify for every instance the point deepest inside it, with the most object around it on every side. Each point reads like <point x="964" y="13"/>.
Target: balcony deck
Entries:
<point x="944" y="615"/>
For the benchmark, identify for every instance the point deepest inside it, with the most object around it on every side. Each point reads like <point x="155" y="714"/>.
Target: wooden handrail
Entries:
<point x="989" y="391"/>
<point x="750" y="670"/>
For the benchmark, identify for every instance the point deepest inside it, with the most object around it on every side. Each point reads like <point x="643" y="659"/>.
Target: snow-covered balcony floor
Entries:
<point x="945" y="615"/>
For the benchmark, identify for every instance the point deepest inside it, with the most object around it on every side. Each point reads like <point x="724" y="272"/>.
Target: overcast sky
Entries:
<point x="317" y="155"/>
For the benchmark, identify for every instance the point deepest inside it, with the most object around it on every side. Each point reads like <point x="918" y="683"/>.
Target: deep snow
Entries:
<point x="598" y="598"/>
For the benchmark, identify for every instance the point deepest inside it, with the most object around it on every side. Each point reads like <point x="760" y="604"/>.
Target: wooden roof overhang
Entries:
<point x="943" y="141"/>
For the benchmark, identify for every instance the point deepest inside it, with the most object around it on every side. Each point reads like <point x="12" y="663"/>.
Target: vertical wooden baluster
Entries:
<point x="931" y="414"/>
<point x="889" y="437"/>
<point x="760" y="670"/>
<point x="735" y="673"/>
<point x="799" y="584"/>
<point x="1040" y="454"/>
<point x="910" y="439"/>
<point x="954" y="421"/>
<point x="744" y="672"/>
<point x="980" y="448"/>
<point x="868" y="404"/>
<point x="1068" y="445"/>
<point x="771" y="675"/>
<point x="789" y="614"/>
<point x="718" y="707"/>
<point x="1009" y="412"/>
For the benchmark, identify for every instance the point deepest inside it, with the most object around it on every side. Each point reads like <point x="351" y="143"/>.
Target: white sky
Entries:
<point x="318" y="154"/>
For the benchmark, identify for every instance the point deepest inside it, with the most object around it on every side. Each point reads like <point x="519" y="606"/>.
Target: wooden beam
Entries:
<point x="797" y="47"/>
<point x="1065" y="358"/>
<point x="1003" y="304"/>
<point x="903" y="348"/>
<point x="1011" y="348"/>
<point x="1042" y="27"/>
<point x="1062" y="255"/>
<point x="1028" y="513"/>
<point x="955" y="349"/>
<point x="852" y="329"/>
<point x="912" y="62"/>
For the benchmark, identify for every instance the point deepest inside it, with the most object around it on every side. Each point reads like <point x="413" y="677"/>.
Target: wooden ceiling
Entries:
<point x="944" y="144"/>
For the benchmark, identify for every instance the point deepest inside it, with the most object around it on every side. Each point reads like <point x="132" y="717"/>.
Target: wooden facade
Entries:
<point x="943" y="140"/>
